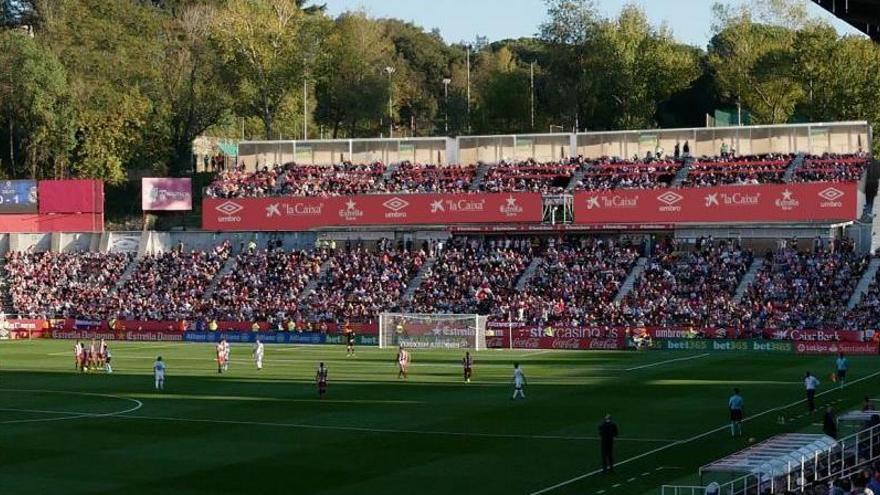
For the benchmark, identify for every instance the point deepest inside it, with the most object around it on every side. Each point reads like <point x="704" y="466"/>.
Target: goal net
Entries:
<point x="432" y="331"/>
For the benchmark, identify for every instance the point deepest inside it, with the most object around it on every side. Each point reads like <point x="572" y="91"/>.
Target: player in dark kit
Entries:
<point x="321" y="380"/>
<point x="349" y="341"/>
<point x="468" y="364"/>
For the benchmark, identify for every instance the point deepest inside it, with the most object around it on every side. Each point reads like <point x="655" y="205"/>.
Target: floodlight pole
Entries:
<point x="468" y="58"/>
<point x="532" y="91"/>
<point x="390" y="70"/>
<point x="446" y="82"/>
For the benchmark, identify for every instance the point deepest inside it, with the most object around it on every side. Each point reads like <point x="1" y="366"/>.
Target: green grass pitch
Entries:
<point x="62" y="432"/>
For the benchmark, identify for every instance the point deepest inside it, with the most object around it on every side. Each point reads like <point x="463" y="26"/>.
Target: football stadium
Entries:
<point x="280" y="246"/>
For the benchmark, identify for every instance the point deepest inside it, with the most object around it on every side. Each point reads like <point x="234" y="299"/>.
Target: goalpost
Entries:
<point x="432" y="331"/>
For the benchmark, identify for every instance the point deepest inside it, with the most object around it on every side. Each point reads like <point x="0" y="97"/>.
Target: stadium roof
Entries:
<point x="863" y="15"/>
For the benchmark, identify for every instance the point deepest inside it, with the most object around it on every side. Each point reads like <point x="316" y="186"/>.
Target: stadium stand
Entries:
<point x="686" y="288"/>
<point x="416" y="178"/>
<point x="796" y="289"/>
<point x="264" y="285"/>
<point x="530" y="176"/>
<point x="359" y="284"/>
<point x="757" y="169"/>
<point x="611" y="173"/>
<point x="831" y="168"/>
<point x="62" y="284"/>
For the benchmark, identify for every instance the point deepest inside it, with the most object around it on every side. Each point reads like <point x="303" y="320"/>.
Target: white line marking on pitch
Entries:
<point x="698" y="436"/>
<point x="70" y="414"/>
<point x="380" y="430"/>
<point x="658" y="363"/>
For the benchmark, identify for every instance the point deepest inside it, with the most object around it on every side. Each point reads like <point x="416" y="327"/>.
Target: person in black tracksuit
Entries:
<point x="607" y="433"/>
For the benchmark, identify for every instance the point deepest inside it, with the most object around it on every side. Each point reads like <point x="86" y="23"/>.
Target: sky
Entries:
<point x="463" y="20"/>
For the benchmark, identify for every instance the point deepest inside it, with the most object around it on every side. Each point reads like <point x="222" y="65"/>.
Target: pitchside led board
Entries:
<point x="18" y="196"/>
<point x="166" y="194"/>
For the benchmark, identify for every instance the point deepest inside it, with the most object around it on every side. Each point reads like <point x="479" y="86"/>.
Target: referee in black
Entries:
<point x="607" y="433"/>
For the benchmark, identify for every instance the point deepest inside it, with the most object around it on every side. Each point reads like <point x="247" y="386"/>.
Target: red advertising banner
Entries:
<point x="836" y="347"/>
<point x="71" y="196"/>
<point x="809" y="202"/>
<point x="815" y="335"/>
<point x="134" y="335"/>
<point x="291" y="213"/>
<point x="166" y="194"/>
<point x="583" y="343"/>
<point x="52" y="222"/>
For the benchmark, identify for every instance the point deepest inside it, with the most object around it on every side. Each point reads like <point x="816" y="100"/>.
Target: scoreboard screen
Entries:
<point x="18" y="196"/>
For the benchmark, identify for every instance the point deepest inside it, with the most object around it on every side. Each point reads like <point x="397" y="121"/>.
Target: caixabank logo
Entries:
<point x="831" y="198"/>
<point x="228" y="212"/>
<point x="669" y="201"/>
<point x="396" y="207"/>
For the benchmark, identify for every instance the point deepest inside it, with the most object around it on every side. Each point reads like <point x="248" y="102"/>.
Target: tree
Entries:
<point x="353" y="91"/>
<point x="37" y="113"/>
<point x="753" y="66"/>
<point x="192" y="94"/>
<point x="266" y="45"/>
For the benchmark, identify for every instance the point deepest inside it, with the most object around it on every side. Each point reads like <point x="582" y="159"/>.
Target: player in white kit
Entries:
<point x="226" y="350"/>
<point x="519" y="382"/>
<point x="159" y="373"/>
<point x="258" y="354"/>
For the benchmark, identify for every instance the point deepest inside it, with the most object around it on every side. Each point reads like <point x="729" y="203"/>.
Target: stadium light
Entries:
<point x="446" y="82"/>
<point x="390" y="70"/>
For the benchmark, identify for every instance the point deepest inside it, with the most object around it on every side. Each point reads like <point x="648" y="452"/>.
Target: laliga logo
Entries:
<point x="396" y="205"/>
<point x="229" y="210"/>
<point x="671" y="200"/>
<point x="787" y="202"/>
<point x="510" y="208"/>
<point x="831" y="197"/>
<point x="350" y="212"/>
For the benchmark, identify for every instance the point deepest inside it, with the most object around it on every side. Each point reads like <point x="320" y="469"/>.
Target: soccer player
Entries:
<point x="468" y="364"/>
<point x="78" y="356"/>
<point x="159" y="373"/>
<point x="107" y="358"/>
<point x="102" y="354"/>
<point x="258" y="354"/>
<point x="402" y="363"/>
<point x="810" y="384"/>
<point x="349" y="340"/>
<point x="321" y="380"/>
<point x="227" y="349"/>
<point x="841" y="365"/>
<point x="519" y="381"/>
<point x="93" y="356"/>
<point x="220" y="356"/>
<point x="735" y="404"/>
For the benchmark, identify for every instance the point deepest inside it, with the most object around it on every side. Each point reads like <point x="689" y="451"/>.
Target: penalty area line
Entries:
<point x="667" y="361"/>
<point x="699" y="436"/>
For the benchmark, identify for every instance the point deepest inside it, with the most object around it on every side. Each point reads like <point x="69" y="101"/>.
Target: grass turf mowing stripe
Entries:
<point x="667" y="361"/>
<point x="385" y="430"/>
<point x="699" y="436"/>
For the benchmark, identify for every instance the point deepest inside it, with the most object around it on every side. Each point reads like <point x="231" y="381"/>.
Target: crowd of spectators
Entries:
<point x="796" y="289"/>
<point x="264" y="285"/>
<point x="530" y="176"/>
<point x="738" y="170"/>
<point x="166" y="286"/>
<point x="414" y="178"/>
<point x="832" y="167"/>
<point x="298" y="180"/>
<point x="473" y="277"/>
<point x="574" y="283"/>
<point x="51" y="284"/>
<point x="691" y="288"/>
<point x="361" y="283"/>
<point x="612" y="173"/>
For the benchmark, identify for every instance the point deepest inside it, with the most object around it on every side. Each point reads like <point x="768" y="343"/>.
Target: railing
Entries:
<point x="847" y="457"/>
